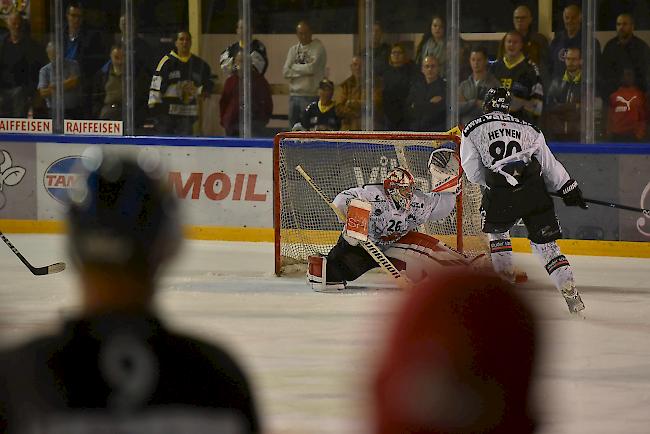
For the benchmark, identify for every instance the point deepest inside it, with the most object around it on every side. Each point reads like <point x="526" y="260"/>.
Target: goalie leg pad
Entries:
<point x="420" y="252"/>
<point x="317" y="275"/>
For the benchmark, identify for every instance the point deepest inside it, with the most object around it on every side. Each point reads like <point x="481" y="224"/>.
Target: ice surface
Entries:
<point x="310" y="354"/>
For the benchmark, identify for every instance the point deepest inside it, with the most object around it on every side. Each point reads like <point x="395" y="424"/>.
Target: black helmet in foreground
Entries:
<point x="122" y="216"/>
<point x="497" y="99"/>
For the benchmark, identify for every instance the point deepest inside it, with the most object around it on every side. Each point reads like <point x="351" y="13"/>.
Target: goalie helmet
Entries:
<point x="497" y="99"/>
<point x="122" y="215"/>
<point x="399" y="185"/>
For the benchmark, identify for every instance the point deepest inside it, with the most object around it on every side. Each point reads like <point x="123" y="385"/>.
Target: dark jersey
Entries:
<point x="524" y="82"/>
<point x="314" y="118"/>
<point x="177" y="83"/>
<point x="123" y="374"/>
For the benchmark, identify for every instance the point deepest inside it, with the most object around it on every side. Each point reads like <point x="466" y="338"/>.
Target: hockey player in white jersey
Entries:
<point x="511" y="159"/>
<point x="396" y="209"/>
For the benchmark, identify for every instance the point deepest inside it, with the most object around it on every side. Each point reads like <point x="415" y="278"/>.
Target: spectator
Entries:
<point x="570" y="37"/>
<point x="21" y="58"/>
<point x="321" y="115"/>
<point x="427" y="102"/>
<point x="563" y="101"/>
<point x="626" y="120"/>
<point x="433" y="44"/>
<point x="350" y="97"/>
<point x="304" y="68"/>
<point x="261" y="101"/>
<point x="443" y="369"/>
<point x="625" y="50"/>
<point x="179" y="82"/>
<point x="144" y="64"/>
<point x="259" y="59"/>
<point x="107" y="94"/>
<point x="71" y="86"/>
<point x="535" y="44"/>
<point x="397" y="83"/>
<point x="380" y="50"/>
<point x="85" y="47"/>
<point x="473" y="89"/>
<point x="115" y="364"/>
<point x="521" y="76"/>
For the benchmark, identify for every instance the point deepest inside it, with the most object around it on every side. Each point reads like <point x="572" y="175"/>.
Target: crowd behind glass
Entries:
<point x="174" y="90"/>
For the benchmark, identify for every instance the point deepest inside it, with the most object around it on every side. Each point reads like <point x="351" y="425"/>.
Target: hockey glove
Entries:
<point x="571" y="194"/>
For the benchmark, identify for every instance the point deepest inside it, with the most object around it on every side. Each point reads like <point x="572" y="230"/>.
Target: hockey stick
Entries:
<point x="37" y="271"/>
<point x="645" y="211"/>
<point x="370" y="247"/>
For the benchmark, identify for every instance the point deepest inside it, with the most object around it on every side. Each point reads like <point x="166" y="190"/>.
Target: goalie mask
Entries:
<point x="399" y="185"/>
<point x="497" y="99"/>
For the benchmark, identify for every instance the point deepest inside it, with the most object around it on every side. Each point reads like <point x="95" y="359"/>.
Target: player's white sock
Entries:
<point x="560" y="271"/>
<point x="501" y="255"/>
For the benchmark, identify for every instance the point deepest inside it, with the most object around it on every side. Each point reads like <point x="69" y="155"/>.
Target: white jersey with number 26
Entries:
<point x="387" y="223"/>
<point x="495" y="139"/>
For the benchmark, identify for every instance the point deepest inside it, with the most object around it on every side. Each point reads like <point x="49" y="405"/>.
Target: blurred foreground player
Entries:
<point x="510" y="158"/>
<point x="115" y="367"/>
<point x="388" y="214"/>
<point x="459" y="358"/>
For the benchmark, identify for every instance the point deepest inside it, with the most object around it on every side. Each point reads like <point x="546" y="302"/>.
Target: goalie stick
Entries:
<point x="370" y="247"/>
<point x="645" y="211"/>
<point x="37" y="271"/>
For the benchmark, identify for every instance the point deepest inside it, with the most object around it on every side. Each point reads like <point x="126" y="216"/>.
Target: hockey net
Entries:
<point x="305" y="225"/>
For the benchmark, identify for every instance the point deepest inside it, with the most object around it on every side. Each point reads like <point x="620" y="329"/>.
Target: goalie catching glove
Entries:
<point x="571" y="194"/>
<point x="444" y="169"/>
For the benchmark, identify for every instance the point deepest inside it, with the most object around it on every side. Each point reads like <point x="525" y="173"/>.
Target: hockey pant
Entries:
<point x="549" y="254"/>
<point x="414" y="253"/>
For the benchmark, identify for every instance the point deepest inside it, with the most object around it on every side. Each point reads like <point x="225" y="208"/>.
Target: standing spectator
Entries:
<point x="427" y="102"/>
<point x="562" y="110"/>
<point x="350" y="97"/>
<point x="626" y="120"/>
<point x="472" y="90"/>
<point x="397" y="84"/>
<point x="433" y="44"/>
<point x="304" y="68"/>
<point x="535" y="44"/>
<point x="380" y="50"/>
<point x="71" y="86"/>
<point x="144" y="64"/>
<point x="521" y="76"/>
<point x="261" y="101"/>
<point x="115" y="366"/>
<point x="180" y="81"/>
<point x="321" y="115"/>
<point x="21" y="59"/>
<point x="259" y="59"/>
<point x="625" y="50"/>
<point x="84" y="46"/>
<point x="442" y="369"/>
<point x="570" y="37"/>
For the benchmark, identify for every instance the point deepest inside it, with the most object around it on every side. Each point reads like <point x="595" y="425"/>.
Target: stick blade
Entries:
<point x="56" y="268"/>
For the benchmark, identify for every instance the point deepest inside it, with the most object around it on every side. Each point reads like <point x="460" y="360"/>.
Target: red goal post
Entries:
<point x="305" y="225"/>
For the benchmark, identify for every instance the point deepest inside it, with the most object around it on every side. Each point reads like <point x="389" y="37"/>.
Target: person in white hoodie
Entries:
<point x="304" y="68"/>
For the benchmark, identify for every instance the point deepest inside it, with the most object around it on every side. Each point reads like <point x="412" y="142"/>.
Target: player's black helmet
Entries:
<point x="497" y="99"/>
<point x="122" y="216"/>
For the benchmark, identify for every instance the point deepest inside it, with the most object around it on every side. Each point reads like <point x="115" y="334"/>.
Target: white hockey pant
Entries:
<point x="556" y="264"/>
<point x="317" y="275"/>
<point x="501" y="255"/>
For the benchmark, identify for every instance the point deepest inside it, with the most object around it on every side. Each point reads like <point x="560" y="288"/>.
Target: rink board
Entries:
<point x="225" y="188"/>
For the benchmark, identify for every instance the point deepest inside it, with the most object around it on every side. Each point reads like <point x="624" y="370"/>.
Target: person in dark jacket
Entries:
<point x="397" y="81"/>
<point x="563" y="100"/>
<point x="261" y="102"/>
<point x="321" y="115"/>
<point x="115" y="366"/>
<point x="427" y="102"/>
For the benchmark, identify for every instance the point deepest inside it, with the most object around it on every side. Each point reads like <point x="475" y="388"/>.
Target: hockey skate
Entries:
<point x="573" y="300"/>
